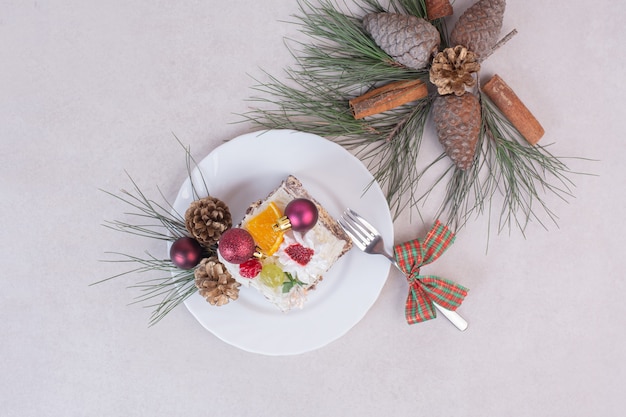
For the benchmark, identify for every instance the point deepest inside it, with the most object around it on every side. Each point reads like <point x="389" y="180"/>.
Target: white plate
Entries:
<point x="248" y="168"/>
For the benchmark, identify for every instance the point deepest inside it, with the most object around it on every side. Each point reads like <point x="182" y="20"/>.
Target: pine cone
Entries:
<point x="215" y="283"/>
<point x="458" y="120"/>
<point x="452" y="70"/>
<point x="206" y="219"/>
<point x="478" y="28"/>
<point x="409" y="40"/>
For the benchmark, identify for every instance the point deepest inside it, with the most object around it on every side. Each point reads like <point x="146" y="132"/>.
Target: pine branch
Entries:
<point x="343" y="62"/>
<point x="161" y="222"/>
<point x="523" y="174"/>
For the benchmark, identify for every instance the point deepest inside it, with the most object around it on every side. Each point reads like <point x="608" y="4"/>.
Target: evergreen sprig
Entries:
<point x="521" y="173"/>
<point x="171" y="285"/>
<point x="341" y="62"/>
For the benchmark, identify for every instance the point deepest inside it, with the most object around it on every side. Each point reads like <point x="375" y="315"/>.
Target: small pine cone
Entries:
<point x="452" y="70"/>
<point x="478" y="28"/>
<point x="457" y="120"/>
<point x="215" y="283"/>
<point x="409" y="40"/>
<point x="206" y="219"/>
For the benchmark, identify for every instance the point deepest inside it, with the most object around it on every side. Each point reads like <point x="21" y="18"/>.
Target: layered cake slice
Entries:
<point x="296" y="242"/>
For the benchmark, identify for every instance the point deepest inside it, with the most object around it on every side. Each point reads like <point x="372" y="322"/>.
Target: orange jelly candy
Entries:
<point x="262" y="231"/>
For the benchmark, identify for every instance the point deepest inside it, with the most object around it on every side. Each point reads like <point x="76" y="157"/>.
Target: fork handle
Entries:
<point x="454" y="317"/>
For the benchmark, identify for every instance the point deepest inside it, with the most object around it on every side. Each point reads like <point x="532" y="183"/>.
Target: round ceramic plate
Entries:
<point x="247" y="169"/>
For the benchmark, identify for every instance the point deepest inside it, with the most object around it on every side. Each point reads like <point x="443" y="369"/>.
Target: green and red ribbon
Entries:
<point x="426" y="289"/>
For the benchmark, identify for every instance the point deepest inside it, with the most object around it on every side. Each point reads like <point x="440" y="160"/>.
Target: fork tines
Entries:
<point x="354" y="226"/>
<point x="361" y="222"/>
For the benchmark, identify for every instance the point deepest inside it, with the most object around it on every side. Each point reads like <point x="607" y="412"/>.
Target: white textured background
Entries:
<point x="89" y="89"/>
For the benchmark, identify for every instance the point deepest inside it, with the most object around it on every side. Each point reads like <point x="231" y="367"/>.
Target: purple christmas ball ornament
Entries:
<point x="302" y="214"/>
<point x="186" y="253"/>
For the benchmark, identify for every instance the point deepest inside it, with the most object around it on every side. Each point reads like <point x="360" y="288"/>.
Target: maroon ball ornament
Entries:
<point x="302" y="214"/>
<point x="236" y="245"/>
<point x="186" y="253"/>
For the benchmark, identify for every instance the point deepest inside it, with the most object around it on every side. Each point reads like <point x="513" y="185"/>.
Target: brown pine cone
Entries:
<point x="452" y="70"/>
<point x="409" y="40"/>
<point x="457" y="120"/>
<point x="478" y="28"/>
<point x="206" y="219"/>
<point x="215" y="283"/>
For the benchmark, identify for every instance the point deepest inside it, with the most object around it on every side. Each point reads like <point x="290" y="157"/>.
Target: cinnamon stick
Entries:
<point x="387" y="97"/>
<point x="438" y="8"/>
<point x="512" y="107"/>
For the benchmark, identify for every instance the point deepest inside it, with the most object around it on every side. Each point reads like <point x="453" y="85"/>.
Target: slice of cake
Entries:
<point x="288" y="262"/>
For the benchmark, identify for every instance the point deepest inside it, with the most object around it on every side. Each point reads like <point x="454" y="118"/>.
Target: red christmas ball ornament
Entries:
<point x="186" y="253"/>
<point x="302" y="214"/>
<point x="236" y="245"/>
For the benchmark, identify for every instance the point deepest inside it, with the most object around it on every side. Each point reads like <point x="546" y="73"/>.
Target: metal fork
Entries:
<point x="367" y="238"/>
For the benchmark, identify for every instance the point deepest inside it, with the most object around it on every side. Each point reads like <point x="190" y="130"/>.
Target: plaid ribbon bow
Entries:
<point x="426" y="289"/>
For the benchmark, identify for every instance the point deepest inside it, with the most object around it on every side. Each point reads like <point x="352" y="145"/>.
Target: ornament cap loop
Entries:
<point x="258" y="253"/>
<point x="282" y="224"/>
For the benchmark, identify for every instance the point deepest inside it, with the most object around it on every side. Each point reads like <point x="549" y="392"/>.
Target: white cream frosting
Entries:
<point x="326" y="249"/>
